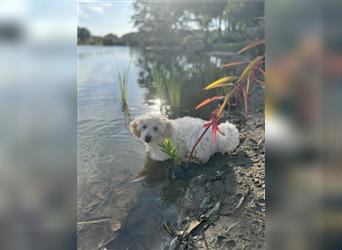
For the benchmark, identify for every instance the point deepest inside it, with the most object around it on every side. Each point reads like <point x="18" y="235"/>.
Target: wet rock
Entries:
<point x="220" y="239"/>
<point x="230" y="244"/>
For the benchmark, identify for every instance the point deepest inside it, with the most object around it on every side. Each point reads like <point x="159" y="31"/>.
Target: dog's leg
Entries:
<point x="204" y="158"/>
<point x="230" y="140"/>
<point x="156" y="154"/>
<point x="202" y="153"/>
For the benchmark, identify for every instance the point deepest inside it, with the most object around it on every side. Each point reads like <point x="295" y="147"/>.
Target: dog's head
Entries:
<point x="151" y="127"/>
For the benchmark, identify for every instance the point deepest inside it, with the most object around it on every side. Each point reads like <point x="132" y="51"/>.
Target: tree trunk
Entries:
<point x="206" y="38"/>
<point x="219" y="28"/>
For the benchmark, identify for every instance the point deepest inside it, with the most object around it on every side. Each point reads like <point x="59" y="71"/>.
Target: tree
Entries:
<point x="239" y="14"/>
<point x="110" y="39"/>
<point x="83" y="34"/>
<point x="166" y="22"/>
<point x="131" y="39"/>
<point x="157" y="21"/>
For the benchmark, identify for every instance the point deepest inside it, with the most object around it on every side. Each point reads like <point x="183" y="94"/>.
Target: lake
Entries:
<point x="117" y="182"/>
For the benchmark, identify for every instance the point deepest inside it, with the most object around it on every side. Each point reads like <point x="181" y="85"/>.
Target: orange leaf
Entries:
<point x="209" y="100"/>
<point x="250" y="46"/>
<point x="233" y="64"/>
<point x="220" y="81"/>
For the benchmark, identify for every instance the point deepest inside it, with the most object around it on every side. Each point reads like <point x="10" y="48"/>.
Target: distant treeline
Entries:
<point x="84" y="37"/>
<point x="191" y="24"/>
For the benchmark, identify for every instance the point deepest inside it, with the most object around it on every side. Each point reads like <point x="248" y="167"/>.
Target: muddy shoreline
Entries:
<point x="233" y="190"/>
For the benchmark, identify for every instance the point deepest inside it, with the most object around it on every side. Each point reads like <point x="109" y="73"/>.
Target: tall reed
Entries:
<point x="123" y="84"/>
<point x="174" y="87"/>
<point x="167" y="84"/>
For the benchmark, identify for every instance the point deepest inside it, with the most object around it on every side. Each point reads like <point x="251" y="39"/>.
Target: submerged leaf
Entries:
<point x="250" y="46"/>
<point x="115" y="225"/>
<point x="220" y="81"/>
<point x="208" y="101"/>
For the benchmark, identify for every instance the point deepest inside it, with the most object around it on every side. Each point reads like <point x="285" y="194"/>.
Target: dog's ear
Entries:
<point x="134" y="127"/>
<point x="167" y="129"/>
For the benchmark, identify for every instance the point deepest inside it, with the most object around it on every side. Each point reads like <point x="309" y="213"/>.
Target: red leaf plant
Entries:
<point x="241" y="87"/>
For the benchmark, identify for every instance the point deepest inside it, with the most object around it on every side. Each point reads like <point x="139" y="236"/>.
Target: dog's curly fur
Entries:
<point x="153" y="128"/>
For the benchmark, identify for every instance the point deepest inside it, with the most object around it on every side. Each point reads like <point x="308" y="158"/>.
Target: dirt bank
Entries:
<point x="224" y="206"/>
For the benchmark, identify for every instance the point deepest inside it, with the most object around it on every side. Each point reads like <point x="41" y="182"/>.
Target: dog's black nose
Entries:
<point x="147" y="138"/>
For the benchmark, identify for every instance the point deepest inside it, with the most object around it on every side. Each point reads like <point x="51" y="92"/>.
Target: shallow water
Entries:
<point x="116" y="179"/>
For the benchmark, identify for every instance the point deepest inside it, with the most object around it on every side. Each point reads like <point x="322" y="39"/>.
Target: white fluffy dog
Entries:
<point x="153" y="128"/>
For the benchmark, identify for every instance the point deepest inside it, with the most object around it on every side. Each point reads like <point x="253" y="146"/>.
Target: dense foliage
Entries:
<point x="191" y="24"/>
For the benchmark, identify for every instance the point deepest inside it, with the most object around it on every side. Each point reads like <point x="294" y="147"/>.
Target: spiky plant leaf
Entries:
<point x="208" y="101"/>
<point x="220" y="81"/>
<point x="233" y="64"/>
<point x="250" y="46"/>
<point x="171" y="149"/>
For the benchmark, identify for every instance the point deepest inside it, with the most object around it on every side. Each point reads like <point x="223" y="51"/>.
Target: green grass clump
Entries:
<point x="123" y="83"/>
<point x="174" y="87"/>
<point x="171" y="149"/>
<point x="158" y="79"/>
<point x="167" y="84"/>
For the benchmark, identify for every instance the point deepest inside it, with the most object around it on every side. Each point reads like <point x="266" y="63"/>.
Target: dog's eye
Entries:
<point x="144" y="127"/>
<point x="155" y="128"/>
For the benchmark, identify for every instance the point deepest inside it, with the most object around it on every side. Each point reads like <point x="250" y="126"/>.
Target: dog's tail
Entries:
<point x="230" y="140"/>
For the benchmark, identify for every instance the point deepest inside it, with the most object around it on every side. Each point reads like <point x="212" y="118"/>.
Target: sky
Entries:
<point x="104" y="17"/>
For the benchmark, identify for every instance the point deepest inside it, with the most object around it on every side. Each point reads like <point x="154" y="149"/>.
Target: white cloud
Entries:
<point x="88" y="8"/>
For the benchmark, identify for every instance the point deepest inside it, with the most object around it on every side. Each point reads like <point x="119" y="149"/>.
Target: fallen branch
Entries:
<point x="93" y="221"/>
<point x="106" y="243"/>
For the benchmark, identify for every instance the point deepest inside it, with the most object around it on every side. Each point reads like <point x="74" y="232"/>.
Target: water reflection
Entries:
<point x="178" y="79"/>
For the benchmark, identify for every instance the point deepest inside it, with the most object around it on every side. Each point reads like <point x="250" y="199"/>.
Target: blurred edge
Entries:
<point x="38" y="161"/>
<point x="38" y="124"/>
<point x="303" y="124"/>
